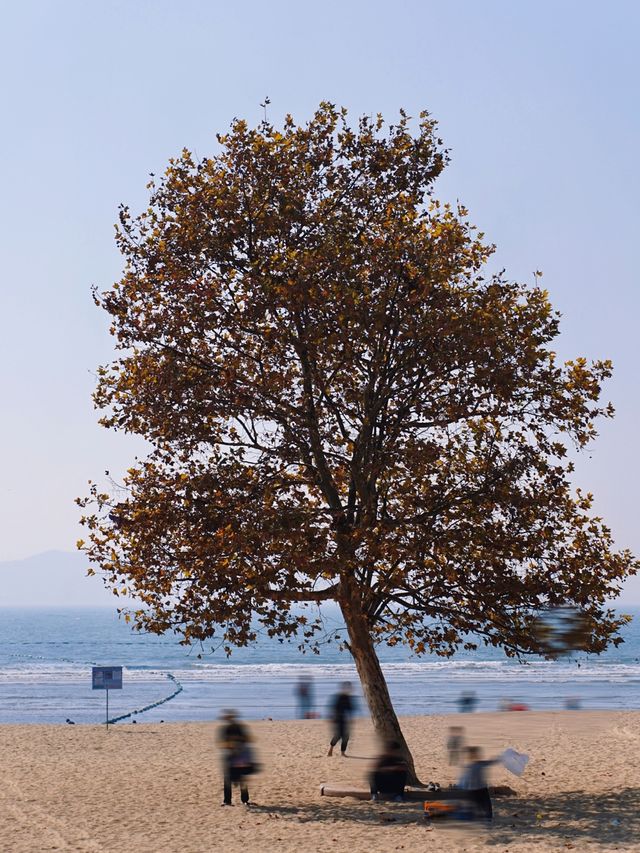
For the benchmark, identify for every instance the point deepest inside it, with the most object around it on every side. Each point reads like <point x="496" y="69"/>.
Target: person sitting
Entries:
<point x="474" y="782"/>
<point x="390" y="772"/>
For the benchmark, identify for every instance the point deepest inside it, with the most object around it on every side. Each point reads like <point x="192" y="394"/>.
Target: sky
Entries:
<point x="537" y="102"/>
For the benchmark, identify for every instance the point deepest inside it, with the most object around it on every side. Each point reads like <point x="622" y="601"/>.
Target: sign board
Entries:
<point x="106" y="678"/>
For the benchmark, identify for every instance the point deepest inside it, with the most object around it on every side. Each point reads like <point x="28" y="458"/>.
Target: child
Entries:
<point x="455" y="744"/>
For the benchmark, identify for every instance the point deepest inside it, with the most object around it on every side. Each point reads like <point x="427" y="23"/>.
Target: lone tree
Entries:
<point x="341" y="406"/>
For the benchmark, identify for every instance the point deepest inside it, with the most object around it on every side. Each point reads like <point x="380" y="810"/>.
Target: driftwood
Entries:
<point x="417" y="794"/>
<point x="413" y="794"/>
<point x="410" y="793"/>
<point x="356" y="793"/>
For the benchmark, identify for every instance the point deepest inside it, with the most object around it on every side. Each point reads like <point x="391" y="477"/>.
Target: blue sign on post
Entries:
<point x="106" y="678"/>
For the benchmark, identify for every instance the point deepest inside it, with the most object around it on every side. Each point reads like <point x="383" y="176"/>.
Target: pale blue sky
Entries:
<point x="537" y="100"/>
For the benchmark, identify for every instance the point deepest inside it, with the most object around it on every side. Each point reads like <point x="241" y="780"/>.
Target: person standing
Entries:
<point x="237" y="757"/>
<point x="455" y="744"/>
<point x="467" y="702"/>
<point x="304" y="692"/>
<point x="343" y="707"/>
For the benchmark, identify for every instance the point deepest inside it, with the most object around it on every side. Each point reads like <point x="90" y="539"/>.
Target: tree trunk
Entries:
<point x="374" y="685"/>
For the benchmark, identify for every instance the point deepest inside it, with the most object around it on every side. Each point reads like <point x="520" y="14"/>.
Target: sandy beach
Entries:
<point x="152" y="788"/>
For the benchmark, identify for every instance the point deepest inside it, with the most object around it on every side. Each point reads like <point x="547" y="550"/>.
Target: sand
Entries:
<point x="153" y="788"/>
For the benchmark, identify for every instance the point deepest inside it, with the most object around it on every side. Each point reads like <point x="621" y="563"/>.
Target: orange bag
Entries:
<point x="437" y="808"/>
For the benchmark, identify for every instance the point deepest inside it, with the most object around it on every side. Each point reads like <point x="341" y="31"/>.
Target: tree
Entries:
<point x="341" y="405"/>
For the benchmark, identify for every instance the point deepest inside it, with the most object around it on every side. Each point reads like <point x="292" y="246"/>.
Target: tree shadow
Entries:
<point x="575" y="816"/>
<point x="349" y="810"/>
<point x="571" y="817"/>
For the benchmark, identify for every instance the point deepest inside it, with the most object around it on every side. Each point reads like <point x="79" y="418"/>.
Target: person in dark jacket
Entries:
<point x="389" y="775"/>
<point x="342" y="709"/>
<point x="237" y="757"/>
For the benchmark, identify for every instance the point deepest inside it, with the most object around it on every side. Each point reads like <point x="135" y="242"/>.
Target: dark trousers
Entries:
<point x="481" y="801"/>
<point x="231" y="777"/>
<point x="388" y="782"/>
<point x="341" y="733"/>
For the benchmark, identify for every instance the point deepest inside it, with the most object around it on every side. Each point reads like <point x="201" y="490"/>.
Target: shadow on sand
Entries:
<point x="570" y="818"/>
<point x="348" y="810"/>
<point x="574" y="816"/>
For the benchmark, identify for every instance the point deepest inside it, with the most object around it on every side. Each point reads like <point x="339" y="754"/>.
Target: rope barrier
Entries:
<point x="178" y="689"/>
<point x="170" y="676"/>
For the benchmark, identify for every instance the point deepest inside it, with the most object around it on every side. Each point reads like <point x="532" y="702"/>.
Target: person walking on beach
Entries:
<point x="342" y="709"/>
<point x="237" y="757"/>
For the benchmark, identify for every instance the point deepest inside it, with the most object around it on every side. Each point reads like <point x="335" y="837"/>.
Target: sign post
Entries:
<point x="106" y="678"/>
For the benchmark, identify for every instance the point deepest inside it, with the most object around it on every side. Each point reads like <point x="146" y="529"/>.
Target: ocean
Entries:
<point x="46" y="657"/>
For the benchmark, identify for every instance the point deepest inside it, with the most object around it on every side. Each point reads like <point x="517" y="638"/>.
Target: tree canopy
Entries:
<point x="342" y="404"/>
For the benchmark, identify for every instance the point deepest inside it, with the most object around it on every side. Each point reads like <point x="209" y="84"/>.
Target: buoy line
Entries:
<point x="137" y="711"/>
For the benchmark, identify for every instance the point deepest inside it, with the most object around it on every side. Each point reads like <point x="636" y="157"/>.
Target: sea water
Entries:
<point x="46" y="658"/>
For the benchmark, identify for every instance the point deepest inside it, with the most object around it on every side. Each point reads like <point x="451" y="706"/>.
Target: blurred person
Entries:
<point x="342" y="709"/>
<point x="237" y="756"/>
<point x="304" y="692"/>
<point x="389" y="774"/>
<point x="474" y="781"/>
<point x="455" y="744"/>
<point x="467" y="702"/>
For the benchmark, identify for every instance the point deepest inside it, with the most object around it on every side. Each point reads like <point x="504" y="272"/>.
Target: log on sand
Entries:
<point x="411" y="793"/>
<point x="415" y="794"/>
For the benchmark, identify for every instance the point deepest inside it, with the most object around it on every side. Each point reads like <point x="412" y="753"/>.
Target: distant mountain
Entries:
<point x="59" y="578"/>
<point x="55" y="578"/>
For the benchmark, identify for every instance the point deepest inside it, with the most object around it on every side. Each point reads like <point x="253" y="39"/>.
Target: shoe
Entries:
<point x="226" y="804"/>
<point x="375" y="798"/>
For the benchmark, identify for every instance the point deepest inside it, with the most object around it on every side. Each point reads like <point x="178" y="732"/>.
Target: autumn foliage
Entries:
<point x="341" y="404"/>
